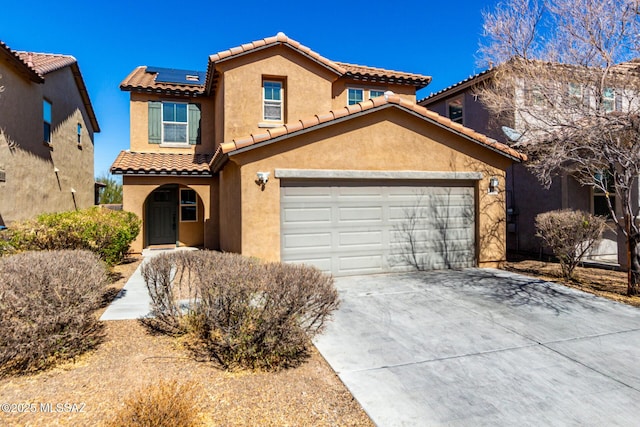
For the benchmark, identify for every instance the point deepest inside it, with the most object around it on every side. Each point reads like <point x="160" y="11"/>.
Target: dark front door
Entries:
<point x="161" y="216"/>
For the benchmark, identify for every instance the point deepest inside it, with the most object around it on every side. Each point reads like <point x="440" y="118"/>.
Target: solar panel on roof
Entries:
<point x="172" y="75"/>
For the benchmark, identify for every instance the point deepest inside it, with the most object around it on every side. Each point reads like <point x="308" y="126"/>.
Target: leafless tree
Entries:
<point x="567" y="80"/>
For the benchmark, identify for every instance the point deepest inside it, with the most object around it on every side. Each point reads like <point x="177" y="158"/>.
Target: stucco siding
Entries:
<point x="136" y="190"/>
<point x="39" y="178"/>
<point x="307" y="88"/>
<point x="382" y="141"/>
<point x="139" y="125"/>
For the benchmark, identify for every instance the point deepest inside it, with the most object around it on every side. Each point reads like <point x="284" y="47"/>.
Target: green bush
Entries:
<point x="105" y="232"/>
<point x="570" y="235"/>
<point x="47" y="303"/>
<point x="167" y="403"/>
<point x="242" y="313"/>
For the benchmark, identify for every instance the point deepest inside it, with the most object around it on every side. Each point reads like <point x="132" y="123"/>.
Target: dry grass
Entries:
<point x="131" y="359"/>
<point x="598" y="281"/>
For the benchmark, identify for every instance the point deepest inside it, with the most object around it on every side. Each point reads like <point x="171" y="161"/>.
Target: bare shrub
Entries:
<point x="173" y="289"/>
<point x="570" y="235"/>
<point x="242" y="313"/>
<point x="167" y="403"/>
<point x="47" y="300"/>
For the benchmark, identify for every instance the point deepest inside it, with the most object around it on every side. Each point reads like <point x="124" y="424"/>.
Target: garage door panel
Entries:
<point x="349" y="214"/>
<point x="319" y="241"/>
<point x="360" y="238"/>
<point x="367" y="225"/>
<point x="307" y="215"/>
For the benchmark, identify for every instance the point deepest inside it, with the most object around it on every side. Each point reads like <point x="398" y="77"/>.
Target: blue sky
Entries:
<point x="109" y="39"/>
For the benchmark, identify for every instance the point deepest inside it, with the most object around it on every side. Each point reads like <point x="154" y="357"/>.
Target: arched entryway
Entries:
<point x="174" y="216"/>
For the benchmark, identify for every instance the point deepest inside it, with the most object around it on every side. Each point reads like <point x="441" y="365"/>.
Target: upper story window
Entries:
<point x="174" y="123"/>
<point x="611" y="101"/>
<point x="46" y="116"/>
<point x="272" y="100"/>
<point x="79" y="133"/>
<point x="455" y="110"/>
<point x="357" y="95"/>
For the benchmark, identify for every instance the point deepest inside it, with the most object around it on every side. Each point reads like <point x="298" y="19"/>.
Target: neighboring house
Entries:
<point x="526" y="197"/>
<point x="279" y="153"/>
<point x="47" y="125"/>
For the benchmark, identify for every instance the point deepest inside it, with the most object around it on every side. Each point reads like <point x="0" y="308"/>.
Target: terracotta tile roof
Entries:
<point x="142" y="81"/>
<point x="365" y="73"/>
<point x="340" y="68"/>
<point x="162" y="164"/>
<point x="44" y="63"/>
<point x="37" y="65"/>
<point x="14" y="58"/>
<point x="388" y="100"/>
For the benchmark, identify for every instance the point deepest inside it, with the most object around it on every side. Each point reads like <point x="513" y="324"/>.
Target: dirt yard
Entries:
<point x="602" y="282"/>
<point x="130" y="358"/>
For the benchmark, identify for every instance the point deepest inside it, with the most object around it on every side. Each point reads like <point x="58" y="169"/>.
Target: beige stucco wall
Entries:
<point x="385" y="140"/>
<point x="139" y="126"/>
<point x="32" y="187"/>
<point x="307" y="88"/>
<point x="204" y="232"/>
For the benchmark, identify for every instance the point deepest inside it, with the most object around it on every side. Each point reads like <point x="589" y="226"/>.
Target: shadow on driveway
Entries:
<point x="484" y="346"/>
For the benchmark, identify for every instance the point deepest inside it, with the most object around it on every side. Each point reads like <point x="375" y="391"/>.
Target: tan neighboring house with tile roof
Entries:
<point x="279" y="153"/>
<point x="47" y="124"/>
<point x="526" y="197"/>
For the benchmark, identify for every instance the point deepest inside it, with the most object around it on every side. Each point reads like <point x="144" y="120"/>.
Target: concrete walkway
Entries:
<point x="133" y="301"/>
<point x="484" y="347"/>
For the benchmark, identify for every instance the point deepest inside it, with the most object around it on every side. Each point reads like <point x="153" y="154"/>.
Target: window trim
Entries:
<point x="451" y="102"/>
<point x="185" y="123"/>
<point x="47" y="140"/>
<point x="181" y="205"/>
<point x="279" y="102"/>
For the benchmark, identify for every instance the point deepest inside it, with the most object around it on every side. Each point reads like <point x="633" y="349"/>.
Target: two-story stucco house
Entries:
<point x="280" y="153"/>
<point x="526" y="197"/>
<point x="47" y="125"/>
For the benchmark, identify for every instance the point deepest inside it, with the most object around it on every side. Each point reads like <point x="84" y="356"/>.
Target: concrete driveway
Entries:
<point x="484" y="347"/>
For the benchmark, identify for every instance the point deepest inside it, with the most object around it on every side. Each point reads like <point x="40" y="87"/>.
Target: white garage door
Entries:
<point x="347" y="228"/>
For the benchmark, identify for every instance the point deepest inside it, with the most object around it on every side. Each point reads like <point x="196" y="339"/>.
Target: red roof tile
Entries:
<point x="37" y="65"/>
<point x="45" y="63"/>
<point x="357" y="72"/>
<point x="14" y="58"/>
<point x="389" y="100"/>
<point x="162" y="164"/>
<point x="143" y="81"/>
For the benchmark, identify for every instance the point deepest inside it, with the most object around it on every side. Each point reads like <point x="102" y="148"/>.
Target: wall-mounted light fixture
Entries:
<point x="263" y="177"/>
<point x="493" y="185"/>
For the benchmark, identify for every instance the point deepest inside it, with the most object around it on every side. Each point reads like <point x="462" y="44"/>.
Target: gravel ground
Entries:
<point x="130" y="358"/>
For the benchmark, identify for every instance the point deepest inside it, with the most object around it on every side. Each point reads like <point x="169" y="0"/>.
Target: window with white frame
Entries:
<point x="455" y="110"/>
<point x="272" y="95"/>
<point x="611" y="101"/>
<point x="188" y="205"/>
<point x="375" y="93"/>
<point x="46" y="116"/>
<point x="354" y="96"/>
<point x="174" y="122"/>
